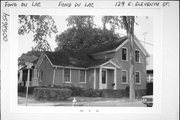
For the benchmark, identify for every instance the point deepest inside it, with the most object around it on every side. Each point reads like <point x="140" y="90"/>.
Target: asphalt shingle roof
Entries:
<point x="83" y="58"/>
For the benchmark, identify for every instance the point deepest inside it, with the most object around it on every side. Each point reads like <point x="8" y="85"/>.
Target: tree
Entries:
<point x="80" y="21"/>
<point x="127" y="23"/>
<point x="83" y="38"/>
<point x="114" y="21"/>
<point x="41" y="25"/>
<point x="82" y="34"/>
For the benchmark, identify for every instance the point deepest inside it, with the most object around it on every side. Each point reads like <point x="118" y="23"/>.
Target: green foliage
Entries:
<point x="51" y="94"/>
<point x="83" y="38"/>
<point x="41" y="25"/>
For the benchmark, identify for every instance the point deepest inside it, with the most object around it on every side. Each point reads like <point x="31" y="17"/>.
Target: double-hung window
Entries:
<point x="124" y="76"/>
<point x="137" y="56"/>
<point x="40" y="75"/>
<point x="138" y="77"/>
<point x="124" y="53"/>
<point x="67" y="75"/>
<point x="82" y="76"/>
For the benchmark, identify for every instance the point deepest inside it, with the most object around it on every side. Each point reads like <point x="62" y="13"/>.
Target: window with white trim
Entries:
<point x="137" y="56"/>
<point x="67" y="75"/>
<point x="82" y="76"/>
<point x="34" y="75"/>
<point x="124" y="53"/>
<point x="124" y="76"/>
<point x="138" y="77"/>
<point x="40" y="75"/>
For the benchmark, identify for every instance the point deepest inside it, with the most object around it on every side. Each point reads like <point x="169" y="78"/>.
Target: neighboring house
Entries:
<point x="104" y="67"/>
<point x="149" y="69"/>
<point x="29" y="58"/>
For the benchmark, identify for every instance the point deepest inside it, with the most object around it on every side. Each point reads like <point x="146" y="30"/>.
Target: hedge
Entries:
<point x="122" y="93"/>
<point x="77" y="91"/>
<point x="91" y="93"/>
<point x="22" y="90"/>
<point x="51" y="94"/>
<point x="110" y="93"/>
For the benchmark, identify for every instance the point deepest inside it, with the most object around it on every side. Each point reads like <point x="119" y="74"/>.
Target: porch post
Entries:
<point x="21" y="76"/>
<point x="115" y="78"/>
<point x="100" y="77"/>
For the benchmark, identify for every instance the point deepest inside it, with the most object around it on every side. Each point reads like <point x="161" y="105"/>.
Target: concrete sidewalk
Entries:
<point x="81" y="102"/>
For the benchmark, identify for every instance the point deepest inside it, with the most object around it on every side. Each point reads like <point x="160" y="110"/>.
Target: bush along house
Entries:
<point x="106" y="66"/>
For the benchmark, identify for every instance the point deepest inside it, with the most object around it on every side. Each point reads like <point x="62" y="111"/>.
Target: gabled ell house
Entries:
<point x="106" y="66"/>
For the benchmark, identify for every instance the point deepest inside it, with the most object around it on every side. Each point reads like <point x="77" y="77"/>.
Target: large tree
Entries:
<point x="41" y="25"/>
<point x="82" y="34"/>
<point x="127" y="23"/>
<point x="83" y="38"/>
<point x="80" y="21"/>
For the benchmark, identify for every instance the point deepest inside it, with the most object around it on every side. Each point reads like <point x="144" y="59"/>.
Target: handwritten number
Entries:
<point x="120" y="4"/>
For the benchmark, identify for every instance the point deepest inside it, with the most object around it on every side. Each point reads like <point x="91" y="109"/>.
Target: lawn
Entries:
<point x="83" y="101"/>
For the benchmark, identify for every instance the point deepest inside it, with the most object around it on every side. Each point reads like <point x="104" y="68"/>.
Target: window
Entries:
<point x="67" y="75"/>
<point x="103" y="77"/>
<point x="40" y="75"/>
<point x="137" y="75"/>
<point x="124" y="76"/>
<point x="137" y="56"/>
<point x="82" y="76"/>
<point x="124" y="53"/>
<point x="34" y="75"/>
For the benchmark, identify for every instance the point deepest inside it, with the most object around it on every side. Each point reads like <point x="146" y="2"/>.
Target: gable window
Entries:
<point x="124" y="76"/>
<point x="137" y="56"/>
<point x="82" y="76"/>
<point x="67" y="75"/>
<point x="124" y="53"/>
<point x="137" y="77"/>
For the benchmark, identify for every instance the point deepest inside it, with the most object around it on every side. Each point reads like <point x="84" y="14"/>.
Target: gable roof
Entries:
<point x="83" y="58"/>
<point x="107" y="46"/>
<point x="115" y="45"/>
<point x="73" y="59"/>
<point x="31" y="57"/>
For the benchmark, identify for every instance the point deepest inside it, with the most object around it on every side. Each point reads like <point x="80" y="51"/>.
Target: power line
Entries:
<point x="146" y="42"/>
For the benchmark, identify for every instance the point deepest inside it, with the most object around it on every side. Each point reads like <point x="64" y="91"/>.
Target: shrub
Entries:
<point x="75" y="91"/>
<point x="22" y="90"/>
<point x="51" y="94"/>
<point x="140" y="93"/>
<point x="114" y="93"/>
<point x="91" y="93"/>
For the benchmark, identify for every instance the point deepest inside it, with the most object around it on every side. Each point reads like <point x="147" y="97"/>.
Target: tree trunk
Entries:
<point x="130" y="34"/>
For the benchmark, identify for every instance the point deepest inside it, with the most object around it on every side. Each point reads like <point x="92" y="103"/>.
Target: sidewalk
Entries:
<point x="83" y="101"/>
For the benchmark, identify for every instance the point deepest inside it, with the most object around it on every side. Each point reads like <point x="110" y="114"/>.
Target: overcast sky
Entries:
<point x="144" y="32"/>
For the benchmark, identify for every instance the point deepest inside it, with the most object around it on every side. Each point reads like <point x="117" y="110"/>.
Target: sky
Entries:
<point x="143" y="31"/>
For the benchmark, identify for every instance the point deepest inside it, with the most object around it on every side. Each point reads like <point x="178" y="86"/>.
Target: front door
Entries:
<point x="104" y="79"/>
